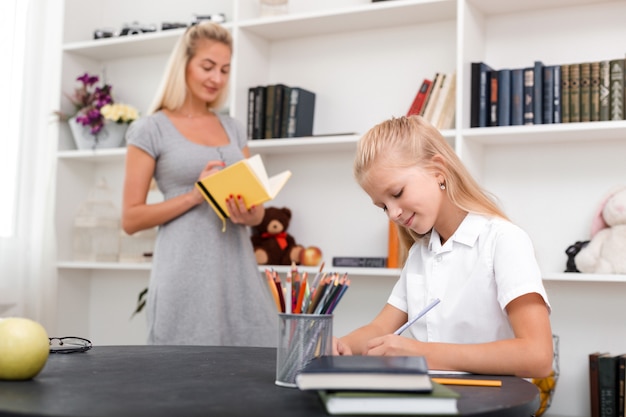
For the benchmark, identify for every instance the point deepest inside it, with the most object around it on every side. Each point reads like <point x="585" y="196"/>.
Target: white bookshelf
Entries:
<point x="365" y="61"/>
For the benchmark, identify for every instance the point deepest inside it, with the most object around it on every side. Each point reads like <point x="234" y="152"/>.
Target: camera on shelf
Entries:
<point x="135" y="28"/>
<point x="103" y="33"/>
<point x="172" y="25"/>
<point x="214" y="17"/>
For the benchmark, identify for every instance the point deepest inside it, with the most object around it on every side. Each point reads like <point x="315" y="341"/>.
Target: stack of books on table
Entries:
<point x="377" y="385"/>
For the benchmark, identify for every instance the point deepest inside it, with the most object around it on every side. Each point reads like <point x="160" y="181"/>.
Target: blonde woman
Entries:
<point x="205" y="287"/>
<point x="493" y="315"/>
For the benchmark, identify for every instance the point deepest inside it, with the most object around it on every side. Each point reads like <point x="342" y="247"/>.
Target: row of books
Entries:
<point x="280" y="111"/>
<point x="376" y="385"/>
<point x="543" y="94"/>
<point x="435" y="100"/>
<point x="606" y="384"/>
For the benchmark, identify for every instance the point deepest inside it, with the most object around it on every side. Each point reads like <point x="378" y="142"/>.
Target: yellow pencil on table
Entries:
<point x="469" y="382"/>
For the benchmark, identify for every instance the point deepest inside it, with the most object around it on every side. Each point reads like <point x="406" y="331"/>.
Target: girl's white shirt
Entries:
<point x="486" y="263"/>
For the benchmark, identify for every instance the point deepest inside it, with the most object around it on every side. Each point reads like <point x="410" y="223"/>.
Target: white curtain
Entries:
<point x="27" y="253"/>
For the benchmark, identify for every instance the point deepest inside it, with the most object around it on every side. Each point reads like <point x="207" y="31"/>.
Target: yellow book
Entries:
<point x="247" y="178"/>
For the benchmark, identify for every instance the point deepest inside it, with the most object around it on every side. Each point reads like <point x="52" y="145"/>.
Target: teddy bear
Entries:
<point x="605" y="253"/>
<point x="272" y="244"/>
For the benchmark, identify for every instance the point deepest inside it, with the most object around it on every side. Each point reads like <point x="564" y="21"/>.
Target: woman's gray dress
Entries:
<point x="205" y="287"/>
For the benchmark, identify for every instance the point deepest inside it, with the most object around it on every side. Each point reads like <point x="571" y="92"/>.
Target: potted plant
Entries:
<point x="98" y="122"/>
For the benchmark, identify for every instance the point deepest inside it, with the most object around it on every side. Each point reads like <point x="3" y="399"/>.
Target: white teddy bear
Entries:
<point x="606" y="252"/>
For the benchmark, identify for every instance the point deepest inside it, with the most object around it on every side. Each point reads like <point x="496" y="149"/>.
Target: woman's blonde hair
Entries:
<point x="412" y="141"/>
<point x="172" y="92"/>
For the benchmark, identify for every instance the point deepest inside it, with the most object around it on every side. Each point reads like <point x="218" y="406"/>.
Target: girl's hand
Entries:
<point x="239" y="214"/>
<point x="340" y="348"/>
<point x="394" y="345"/>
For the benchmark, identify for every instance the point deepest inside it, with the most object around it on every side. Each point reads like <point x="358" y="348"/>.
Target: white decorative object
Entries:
<point x="111" y="136"/>
<point x="97" y="227"/>
<point x="274" y="7"/>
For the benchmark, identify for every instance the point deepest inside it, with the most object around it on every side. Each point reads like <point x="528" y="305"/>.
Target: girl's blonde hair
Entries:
<point x="172" y="92"/>
<point x="412" y="141"/>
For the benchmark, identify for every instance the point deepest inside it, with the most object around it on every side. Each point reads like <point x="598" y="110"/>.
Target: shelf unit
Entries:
<point x="365" y="61"/>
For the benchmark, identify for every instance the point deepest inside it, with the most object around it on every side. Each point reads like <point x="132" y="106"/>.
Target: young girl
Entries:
<point x="493" y="317"/>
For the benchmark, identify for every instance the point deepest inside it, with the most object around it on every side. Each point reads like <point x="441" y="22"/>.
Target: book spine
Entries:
<point x="269" y="111"/>
<point x="250" y="119"/>
<point x="284" y="118"/>
<point x="616" y="90"/>
<point x="594" y="390"/>
<point x="529" y="83"/>
<point x="585" y="92"/>
<point x="621" y="385"/>
<point x="594" y="95"/>
<point x="548" y="94"/>
<point x="517" y="97"/>
<point x="565" y="95"/>
<point x="604" y="89"/>
<point x="277" y="114"/>
<point x="556" y="101"/>
<point x="359" y="262"/>
<point x="607" y="381"/>
<point x="538" y="93"/>
<point x="493" y="98"/>
<point x="477" y="86"/>
<point x="259" y="112"/>
<point x="574" y="93"/>
<point x="504" y="97"/>
<point x="420" y="97"/>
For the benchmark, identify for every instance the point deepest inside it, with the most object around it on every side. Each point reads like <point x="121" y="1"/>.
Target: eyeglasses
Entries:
<point x="69" y="344"/>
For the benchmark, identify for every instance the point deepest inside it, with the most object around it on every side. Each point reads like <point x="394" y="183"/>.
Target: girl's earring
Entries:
<point x="442" y="185"/>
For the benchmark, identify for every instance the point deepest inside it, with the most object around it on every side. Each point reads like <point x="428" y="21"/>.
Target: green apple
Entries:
<point x="24" y="348"/>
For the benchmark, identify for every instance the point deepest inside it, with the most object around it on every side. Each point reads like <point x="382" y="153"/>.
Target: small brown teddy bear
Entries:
<point x="272" y="244"/>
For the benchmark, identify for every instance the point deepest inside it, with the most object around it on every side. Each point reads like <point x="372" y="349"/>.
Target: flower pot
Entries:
<point x="111" y="135"/>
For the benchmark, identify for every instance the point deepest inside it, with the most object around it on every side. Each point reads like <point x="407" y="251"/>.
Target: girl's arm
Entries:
<point x="136" y="214"/>
<point x="528" y="354"/>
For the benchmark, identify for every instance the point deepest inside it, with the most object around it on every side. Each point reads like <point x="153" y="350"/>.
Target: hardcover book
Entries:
<point x="479" y="94"/>
<point x="565" y="93"/>
<point x="548" y="94"/>
<point x="604" y="90"/>
<point x="517" y="96"/>
<point x="616" y="89"/>
<point x="301" y="112"/>
<point x="504" y="97"/>
<point x="258" y="128"/>
<point x="585" y="92"/>
<point x="529" y="88"/>
<point x="246" y="178"/>
<point x="493" y="98"/>
<point x="538" y="93"/>
<point x="574" y="93"/>
<point x="556" y="100"/>
<point x="594" y="388"/>
<point x="366" y="373"/>
<point x="594" y="95"/>
<point x="441" y="400"/>
<point x="607" y="384"/>
<point x="433" y="98"/>
<point x="420" y="97"/>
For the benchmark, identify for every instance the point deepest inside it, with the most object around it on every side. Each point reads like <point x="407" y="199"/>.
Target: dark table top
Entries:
<point x="203" y="381"/>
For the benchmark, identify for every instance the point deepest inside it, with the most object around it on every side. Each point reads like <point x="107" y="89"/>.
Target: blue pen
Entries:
<point x="419" y="315"/>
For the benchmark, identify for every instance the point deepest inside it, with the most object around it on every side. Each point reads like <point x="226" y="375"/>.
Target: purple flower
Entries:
<point x="88" y="99"/>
